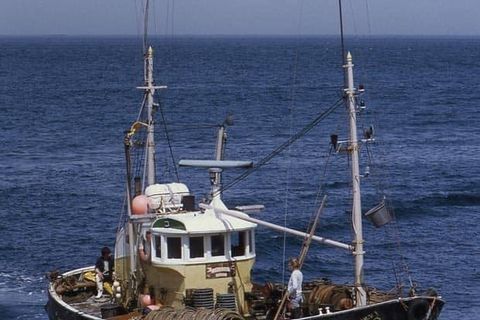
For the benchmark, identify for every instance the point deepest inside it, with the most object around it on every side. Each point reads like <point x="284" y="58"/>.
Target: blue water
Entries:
<point x="65" y="103"/>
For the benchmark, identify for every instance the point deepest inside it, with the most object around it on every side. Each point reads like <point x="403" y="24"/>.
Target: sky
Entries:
<point x="240" y="17"/>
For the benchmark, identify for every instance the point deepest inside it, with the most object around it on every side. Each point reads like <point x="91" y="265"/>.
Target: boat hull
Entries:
<point x="57" y="309"/>
<point x="414" y="308"/>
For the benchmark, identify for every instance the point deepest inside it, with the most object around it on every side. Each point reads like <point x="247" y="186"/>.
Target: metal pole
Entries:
<point x="360" y="295"/>
<point x="131" y="234"/>
<point x="219" y="152"/>
<point x="244" y="216"/>
<point x="151" y="129"/>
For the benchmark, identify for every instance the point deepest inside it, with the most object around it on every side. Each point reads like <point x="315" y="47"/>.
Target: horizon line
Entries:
<point x="243" y="35"/>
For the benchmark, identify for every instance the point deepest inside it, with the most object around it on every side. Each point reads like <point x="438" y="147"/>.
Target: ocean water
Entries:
<point x="66" y="101"/>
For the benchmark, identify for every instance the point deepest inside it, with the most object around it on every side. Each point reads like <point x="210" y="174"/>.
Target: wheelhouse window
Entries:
<point x="158" y="246"/>
<point x="250" y="241"/>
<point x="218" y="245"/>
<point x="174" y="247"/>
<point x="238" y="242"/>
<point x="196" y="247"/>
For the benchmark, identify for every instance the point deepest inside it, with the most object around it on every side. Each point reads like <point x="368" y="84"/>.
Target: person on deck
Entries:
<point x="103" y="270"/>
<point x="295" y="288"/>
<point x="145" y="247"/>
<point x="145" y="256"/>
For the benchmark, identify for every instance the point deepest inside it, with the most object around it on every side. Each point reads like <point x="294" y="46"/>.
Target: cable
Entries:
<point x="145" y="27"/>
<point x="342" y="39"/>
<point x="167" y="136"/>
<point x="368" y="18"/>
<point x="283" y="146"/>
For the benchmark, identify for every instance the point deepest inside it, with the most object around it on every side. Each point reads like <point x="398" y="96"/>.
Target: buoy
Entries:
<point x="140" y="205"/>
<point x="146" y="300"/>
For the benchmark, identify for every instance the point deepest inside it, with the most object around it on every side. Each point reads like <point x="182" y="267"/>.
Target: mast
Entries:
<point x="149" y="88"/>
<point x="216" y="173"/>
<point x="148" y="122"/>
<point x="360" y="295"/>
<point x="149" y="91"/>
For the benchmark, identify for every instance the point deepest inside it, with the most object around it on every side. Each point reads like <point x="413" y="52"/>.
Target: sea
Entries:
<point x="65" y="103"/>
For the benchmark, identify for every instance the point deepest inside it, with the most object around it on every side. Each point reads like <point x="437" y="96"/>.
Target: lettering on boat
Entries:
<point x="220" y="270"/>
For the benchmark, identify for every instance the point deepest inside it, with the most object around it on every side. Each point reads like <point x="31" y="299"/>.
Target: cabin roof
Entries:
<point x="201" y="222"/>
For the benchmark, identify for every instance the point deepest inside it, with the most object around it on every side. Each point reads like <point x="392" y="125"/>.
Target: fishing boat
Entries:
<point x="178" y="258"/>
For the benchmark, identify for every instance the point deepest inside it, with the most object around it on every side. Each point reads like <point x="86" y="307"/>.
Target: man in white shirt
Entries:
<point x="295" y="288"/>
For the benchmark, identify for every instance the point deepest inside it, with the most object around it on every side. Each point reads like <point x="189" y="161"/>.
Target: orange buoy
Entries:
<point x="140" y="205"/>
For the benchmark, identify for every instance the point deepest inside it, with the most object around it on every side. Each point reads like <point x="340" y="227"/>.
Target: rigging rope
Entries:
<point x="353" y="18"/>
<point x="342" y="40"/>
<point x="321" y="182"/>
<point x="368" y="18"/>
<point x="283" y="146"/>
<point x="145" y="27"/>
<point x="289" y="162"/>
<point x="167" y="136"/>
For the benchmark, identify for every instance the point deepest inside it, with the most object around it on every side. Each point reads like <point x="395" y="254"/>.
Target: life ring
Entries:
<point x="418" y="310"/>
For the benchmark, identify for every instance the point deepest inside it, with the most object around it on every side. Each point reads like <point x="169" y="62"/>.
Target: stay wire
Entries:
<point x="145" y="27"/>
<point x="137" y="17"/>
<point x="283" y="146"/>
<point x="289" y="162"/>
<point x="368" y="18"/>
<point x="381" y="188"/>
<point x="342" y="38"/>
<point x="167" y="136"/>
<point x="354" y="21"/>
<point x="320" y="189"/>
<point x="167" y="19"/>
<point x="322" y="181"/>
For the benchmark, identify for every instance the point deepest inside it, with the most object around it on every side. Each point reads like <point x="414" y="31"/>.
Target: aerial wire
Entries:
<point x="307" y="128"/>
<point x="145" y="27"/>
<point x="155" y="18"/>
<point x="290" y="121"/>
<point x="170" y="148"/>
<point x="354" y="21"/>
<point x="137" y="18"/>
<point x="368" y="18"/>
<point x="173" y="16"/>
<point x="342" y="41"/>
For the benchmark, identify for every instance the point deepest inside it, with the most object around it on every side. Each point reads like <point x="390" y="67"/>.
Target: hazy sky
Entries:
<point x="120" y="17"/>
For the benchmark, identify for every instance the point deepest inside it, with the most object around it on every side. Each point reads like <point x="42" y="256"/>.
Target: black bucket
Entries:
<point x="111" y="310"/>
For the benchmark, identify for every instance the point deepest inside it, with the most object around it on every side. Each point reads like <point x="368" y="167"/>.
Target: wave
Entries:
<point x="451" y="199"/>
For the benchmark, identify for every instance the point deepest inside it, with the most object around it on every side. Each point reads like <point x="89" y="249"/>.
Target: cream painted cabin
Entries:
<point x="196" y="250"/>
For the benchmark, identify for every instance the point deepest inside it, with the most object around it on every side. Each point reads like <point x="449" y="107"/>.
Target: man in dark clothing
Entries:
<point x="103" y="270"/>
